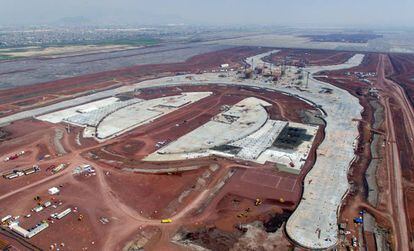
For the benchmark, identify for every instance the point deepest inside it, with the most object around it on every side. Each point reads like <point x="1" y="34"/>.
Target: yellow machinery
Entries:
<point x="166" y="221"/>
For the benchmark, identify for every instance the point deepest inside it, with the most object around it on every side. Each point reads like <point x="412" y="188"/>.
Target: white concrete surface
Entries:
<point x="297" y="156"/>
<point x="138" y="114"/>
<point x="254" y="144"/>
<point x="314" y="223"/>
<point x="59" y="116"/>
<point x="239" y="121"/>
<point x="93" y="116"/>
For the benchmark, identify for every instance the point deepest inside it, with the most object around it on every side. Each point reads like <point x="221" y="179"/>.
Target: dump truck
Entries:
<point x="166" y="221"/>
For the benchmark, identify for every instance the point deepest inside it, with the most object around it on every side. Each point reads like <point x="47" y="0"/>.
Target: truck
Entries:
<point x="59" y="168"/>
<point x="14" y="156"/>
<point x="166" y="220"/>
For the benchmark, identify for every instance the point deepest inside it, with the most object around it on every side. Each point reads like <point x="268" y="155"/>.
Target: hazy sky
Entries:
<point x="272" y="12"/>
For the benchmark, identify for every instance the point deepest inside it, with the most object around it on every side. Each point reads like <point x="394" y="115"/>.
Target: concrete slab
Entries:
<point x="59" y="116"/>
<point x="239" y="121"/>
<point x="297" y="156"/>
<point x="137" y="114"/>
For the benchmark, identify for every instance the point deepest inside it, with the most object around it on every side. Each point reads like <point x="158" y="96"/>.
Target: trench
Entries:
<point x="370" y="181"/>
<point x="370" y="174"/>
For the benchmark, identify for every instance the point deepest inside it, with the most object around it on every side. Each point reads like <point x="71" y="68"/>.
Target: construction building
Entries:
<point x="14" y="226"/>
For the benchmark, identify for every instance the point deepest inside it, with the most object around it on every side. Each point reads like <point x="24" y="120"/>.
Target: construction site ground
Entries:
<point x="211" y="201"/>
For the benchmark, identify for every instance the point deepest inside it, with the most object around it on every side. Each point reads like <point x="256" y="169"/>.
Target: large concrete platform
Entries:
<point x="239" y="121"/>
<point x="144" y="112"/>
<point x="59" y="116"/>
<point x="110" y="117"/>
<point x="249" y="135"/>
<point x="291" y="160"/>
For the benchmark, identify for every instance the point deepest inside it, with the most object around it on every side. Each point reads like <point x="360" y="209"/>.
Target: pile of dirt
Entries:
<point x="252" y="236"/>
<point x="276" y="221"/>
<point x="142" y="239"/>
<point x="256" y="238"/>
<point x="4" y="135"/>
<point x="207" y="238"/>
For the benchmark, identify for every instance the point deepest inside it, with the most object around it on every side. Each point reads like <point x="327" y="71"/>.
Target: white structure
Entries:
<point x="239" y="121"/>
<point x="291" y="160"/>
<point x="249" y="135"/>
<point x="59" y="116"/>
<point x="38" y="208"/>
<point x="28" y="234"/>
<point x="62" y="214"/>
<point x="6" y="218"/>
<point x="92" y="116"/>
<point x="110" y="117"/>
<point x="53" y="190"/>
<point x="254" y="144"/>
<point x="144" y="112"/>
<point x="18" y="229"/>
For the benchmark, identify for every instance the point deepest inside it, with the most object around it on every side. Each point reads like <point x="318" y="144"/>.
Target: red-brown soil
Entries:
<point x="120" y="196"/>
<point x="403" y="72"/>
<point x="150" y="194"/>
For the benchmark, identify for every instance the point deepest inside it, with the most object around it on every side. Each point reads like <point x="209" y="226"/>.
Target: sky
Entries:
<point x="211" y="12"/>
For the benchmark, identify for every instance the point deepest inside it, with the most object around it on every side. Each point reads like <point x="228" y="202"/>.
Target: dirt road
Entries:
<point x="389" y="89"/>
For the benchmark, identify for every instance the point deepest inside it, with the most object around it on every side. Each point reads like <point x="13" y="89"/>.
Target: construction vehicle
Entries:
<point x="80" y="218"/>
<point x="59" y="168"/>
<point x="14" y="156"/>
<point x="258" y="202"/>
<point x="166" y="221"/>
<point x="241" y="215"/>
